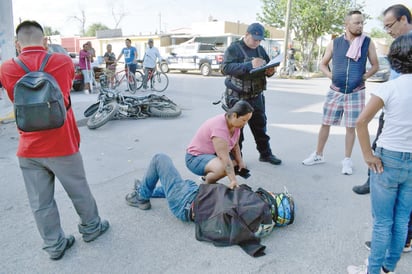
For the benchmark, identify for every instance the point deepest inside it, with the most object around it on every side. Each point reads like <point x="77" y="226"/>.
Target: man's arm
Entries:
<point x="373" y="59"/>
<point x="135" y="55"/>
<point x="232" y="64"/>
<point x="324" y="63"/>
<point x="120" y="56"/>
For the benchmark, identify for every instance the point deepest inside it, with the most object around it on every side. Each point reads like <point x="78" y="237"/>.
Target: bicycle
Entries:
<point x="295" y="69"/>
<point x="158" y="79"/>
<point x="134" y="82"/>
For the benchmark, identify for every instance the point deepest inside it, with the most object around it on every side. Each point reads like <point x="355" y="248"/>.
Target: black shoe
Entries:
<point x="270" y="159"/>
<point x="104" y="226"/>
<point x="70" y="242"/>
<point x="362" y="189"/>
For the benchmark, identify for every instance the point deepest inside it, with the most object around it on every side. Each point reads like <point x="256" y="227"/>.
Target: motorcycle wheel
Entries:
<point x="91" y="109"/>
<point x="166" y="111"/>
<point x="98" y="119"/>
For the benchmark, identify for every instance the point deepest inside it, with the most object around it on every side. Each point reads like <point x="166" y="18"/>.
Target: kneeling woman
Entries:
<point x="214" y="150"/>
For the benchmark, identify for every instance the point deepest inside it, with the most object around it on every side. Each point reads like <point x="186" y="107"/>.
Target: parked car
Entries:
<point x="194" y="56"/>
<point x="78" y="76"/>
<point x="384" y="72"/>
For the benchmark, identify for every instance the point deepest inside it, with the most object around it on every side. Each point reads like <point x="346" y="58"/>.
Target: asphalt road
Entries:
<point x="331" y="222"/>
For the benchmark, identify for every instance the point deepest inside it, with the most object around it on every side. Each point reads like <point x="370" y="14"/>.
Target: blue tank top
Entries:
<point x="347" y="74"/>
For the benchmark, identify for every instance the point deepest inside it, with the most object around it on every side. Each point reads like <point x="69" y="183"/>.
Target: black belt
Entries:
<point x="192" y="212"/>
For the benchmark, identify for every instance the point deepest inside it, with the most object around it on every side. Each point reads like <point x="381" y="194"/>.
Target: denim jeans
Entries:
<point x="179" y="193"/>
<point x="391" y="199"/>
<point x="132" y="67"/>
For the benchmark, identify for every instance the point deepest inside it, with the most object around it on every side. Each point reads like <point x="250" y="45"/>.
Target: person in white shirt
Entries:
<point x="150" y="59"/>
<point x="390" y="163"/>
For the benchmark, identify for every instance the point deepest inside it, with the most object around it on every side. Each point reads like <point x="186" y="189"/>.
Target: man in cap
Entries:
<point x="149" y="60"/>
<point x="239" y="59"/>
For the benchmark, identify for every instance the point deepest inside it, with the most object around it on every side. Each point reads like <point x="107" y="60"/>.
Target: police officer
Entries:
<point x="241" y="57"/>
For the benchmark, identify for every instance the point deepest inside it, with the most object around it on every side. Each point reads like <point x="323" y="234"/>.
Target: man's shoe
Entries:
<point x="70" y="242"/>
<point x="104" y="226"/>
<point x="362" y="189"/>
<point x="347" y="166"/>
<point x="313" y="159"/>
<point x="407" y="248"/>
<point x="134" y="199"/>
<point x="270" y="159"/>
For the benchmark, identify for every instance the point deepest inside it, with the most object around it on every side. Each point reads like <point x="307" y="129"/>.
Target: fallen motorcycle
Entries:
<point x="112" y="104"/>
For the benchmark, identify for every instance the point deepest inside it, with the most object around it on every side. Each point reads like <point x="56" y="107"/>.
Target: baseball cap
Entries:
<point x="257" y="31"/>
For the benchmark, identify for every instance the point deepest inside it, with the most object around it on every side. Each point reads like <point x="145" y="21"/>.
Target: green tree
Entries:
<point x="91" y="31"/>
<point x="309" y="20"/>
<point x="49" y="31"/>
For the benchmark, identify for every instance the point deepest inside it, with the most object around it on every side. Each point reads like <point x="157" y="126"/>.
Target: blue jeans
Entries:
<point x="132" y="67"/>
<point x="179" y="193"/>
<point x="391" y="199"/>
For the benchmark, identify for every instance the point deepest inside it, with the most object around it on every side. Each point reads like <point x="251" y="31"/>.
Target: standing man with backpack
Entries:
<point x="49" y="153"/>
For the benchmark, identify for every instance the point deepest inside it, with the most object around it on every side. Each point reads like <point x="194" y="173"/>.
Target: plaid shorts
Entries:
<point x="338" y="103"/>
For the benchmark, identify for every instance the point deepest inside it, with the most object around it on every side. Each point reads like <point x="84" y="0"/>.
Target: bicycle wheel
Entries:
<point x="139" y="79"/>
<point x="305" y="73"/>
<point x="284" y="72"/>
<point x="131" y="83"/>
<point x="159" y="81"/>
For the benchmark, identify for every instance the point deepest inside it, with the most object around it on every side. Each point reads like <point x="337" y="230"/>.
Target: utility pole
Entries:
<point x="7" y="50"/>
<point x="160" y="23"/>
<point x="6" y="30"/>
<point x="285" y="46"/>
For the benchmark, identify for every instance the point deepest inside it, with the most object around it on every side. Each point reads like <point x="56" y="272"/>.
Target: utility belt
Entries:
<point x="230" y="93"/>
<point x="245" y="88"/>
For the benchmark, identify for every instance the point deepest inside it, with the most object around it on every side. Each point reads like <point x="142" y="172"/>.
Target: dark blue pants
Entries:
<point x="257" y="125"/>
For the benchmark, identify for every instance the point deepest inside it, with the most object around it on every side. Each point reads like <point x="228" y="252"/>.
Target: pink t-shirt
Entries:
<point x="213" y="127"/>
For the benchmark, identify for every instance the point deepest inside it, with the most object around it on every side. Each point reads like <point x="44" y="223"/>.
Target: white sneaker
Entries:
<point x="347" y="166"/>
<point x="313" y="159"/>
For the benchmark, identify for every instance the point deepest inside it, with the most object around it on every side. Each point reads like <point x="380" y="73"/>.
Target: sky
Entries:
<point x="145" y="17"/>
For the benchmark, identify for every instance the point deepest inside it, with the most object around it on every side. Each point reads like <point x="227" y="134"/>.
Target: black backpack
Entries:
<point x="38" y="100"/>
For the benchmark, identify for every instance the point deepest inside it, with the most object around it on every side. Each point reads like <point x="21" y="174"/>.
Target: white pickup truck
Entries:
<point x="194" y="56"/>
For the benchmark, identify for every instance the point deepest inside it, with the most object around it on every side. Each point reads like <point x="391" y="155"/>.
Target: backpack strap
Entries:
<point x="26" y="69"/>
<point x="70" y="103"/>
<point x="21" y="64"/>
<point x="44" y="62"/>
